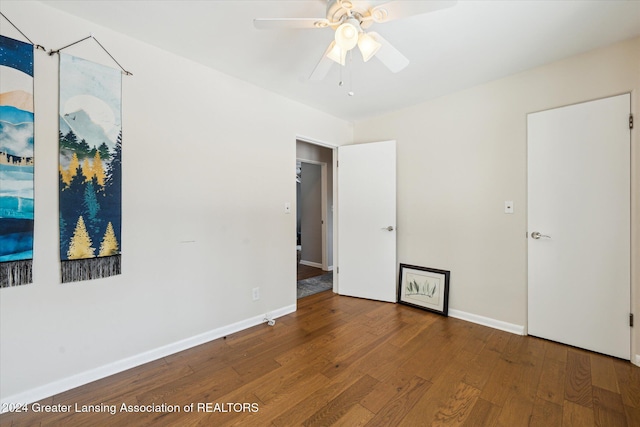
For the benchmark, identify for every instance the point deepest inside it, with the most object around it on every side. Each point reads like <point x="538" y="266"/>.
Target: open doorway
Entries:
<point x="314" y="224"/>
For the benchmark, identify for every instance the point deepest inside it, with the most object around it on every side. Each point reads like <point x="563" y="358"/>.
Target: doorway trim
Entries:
<point x="334" y="214"/>
<point x="323" y="209"/>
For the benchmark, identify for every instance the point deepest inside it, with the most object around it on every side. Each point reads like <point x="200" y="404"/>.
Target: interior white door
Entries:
<point x="579" y="225"/>
<point x="367" y="220"/>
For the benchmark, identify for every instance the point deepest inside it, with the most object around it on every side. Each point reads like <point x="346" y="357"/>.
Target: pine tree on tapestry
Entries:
<point x="97" y="169"/>
<point x="104" y="152"/>
<point x="80" y="246"/>
<point x="91" y="210"/>
<point x="83" y="149"/>
<point x="71" y="206"/>
<point x="72" y="169"/>
<point x="109" y="245"/>
<point x="87" y="170"/>
<point x="69" y="141"/>
<point x="113" y="185"/>
<point x="65" y="233"/>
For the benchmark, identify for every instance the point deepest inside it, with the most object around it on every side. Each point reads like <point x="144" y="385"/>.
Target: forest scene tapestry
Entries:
<point x="89" y="169"/>
<point x="16" y="162"/>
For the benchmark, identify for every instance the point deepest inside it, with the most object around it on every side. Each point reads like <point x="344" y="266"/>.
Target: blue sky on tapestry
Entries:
<point x="96" y="90"/>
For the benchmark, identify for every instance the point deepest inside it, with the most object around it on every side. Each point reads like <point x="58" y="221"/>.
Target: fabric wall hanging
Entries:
<point x="16" y="162"/>
<point x="90" y="163"/>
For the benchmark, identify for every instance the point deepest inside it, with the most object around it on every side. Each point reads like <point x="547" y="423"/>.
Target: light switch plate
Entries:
<point x="508" y="207"/>
<point x="287" y="208"/>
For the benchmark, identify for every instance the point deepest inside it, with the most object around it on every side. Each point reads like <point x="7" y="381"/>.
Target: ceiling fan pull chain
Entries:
<point x="350" y="93"/>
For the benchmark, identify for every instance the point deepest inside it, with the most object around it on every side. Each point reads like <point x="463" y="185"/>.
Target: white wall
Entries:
<point x="203" y="213"/>
<point x="461" y="156"/>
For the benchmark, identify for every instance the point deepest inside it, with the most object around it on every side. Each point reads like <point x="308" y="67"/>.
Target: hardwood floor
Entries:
<point x="306" y="272"/>
<point x="350" y="362"/>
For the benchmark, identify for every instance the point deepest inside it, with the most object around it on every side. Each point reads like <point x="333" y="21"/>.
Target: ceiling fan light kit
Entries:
<point x="337" y="54"/>
<point x="349" y="19"/>
<point x="368" y="46"/>
<point x="347" y="34"/>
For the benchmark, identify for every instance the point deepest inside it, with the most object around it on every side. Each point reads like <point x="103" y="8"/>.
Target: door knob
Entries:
<point x="536" y="235"/>
<point x="389" y="228"/>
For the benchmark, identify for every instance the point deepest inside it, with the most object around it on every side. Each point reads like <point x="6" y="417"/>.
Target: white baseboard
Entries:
<point x="503" y="326"/>
<point x="487" y="321"/>
<point x="315" y="264"/>
<point x="86" y="377"/>
<point x="311" y="263"/>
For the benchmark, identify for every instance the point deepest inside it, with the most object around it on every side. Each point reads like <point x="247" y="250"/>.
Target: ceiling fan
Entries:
<point x="349" y="19"/>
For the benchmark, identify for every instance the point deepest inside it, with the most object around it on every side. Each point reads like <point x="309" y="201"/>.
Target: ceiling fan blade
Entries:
<point x="323" y="66"/>
<point x="389" y="55"/>
<point x="293" y="23"/>
<point x="402" y="9"/>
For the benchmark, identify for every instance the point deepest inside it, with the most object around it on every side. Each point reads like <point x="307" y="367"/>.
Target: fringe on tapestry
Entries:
<point x="16" y="273"/>
<point x="89" y="268"/>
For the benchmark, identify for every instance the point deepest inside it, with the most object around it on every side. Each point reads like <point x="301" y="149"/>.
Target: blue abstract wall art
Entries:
<point x="16" y="162"/>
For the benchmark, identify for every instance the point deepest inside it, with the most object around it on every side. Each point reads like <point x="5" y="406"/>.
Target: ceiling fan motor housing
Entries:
<point x="339" y="11"/>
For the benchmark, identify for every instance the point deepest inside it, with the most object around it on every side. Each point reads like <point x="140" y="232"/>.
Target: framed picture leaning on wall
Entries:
<point x="425" y="288"/>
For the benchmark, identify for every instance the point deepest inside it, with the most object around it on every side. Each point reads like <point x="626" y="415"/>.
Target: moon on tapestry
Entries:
<point x="89" y="169"/>
<point x="16" y="162"/>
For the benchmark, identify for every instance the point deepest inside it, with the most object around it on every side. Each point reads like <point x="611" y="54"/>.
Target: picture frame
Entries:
<point x="424" y="288"/>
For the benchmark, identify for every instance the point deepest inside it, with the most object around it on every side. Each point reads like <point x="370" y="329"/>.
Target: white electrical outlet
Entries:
<point x="256" y="294"/>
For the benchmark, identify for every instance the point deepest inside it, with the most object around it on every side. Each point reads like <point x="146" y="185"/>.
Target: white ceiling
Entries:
<point x="451" y="49"/>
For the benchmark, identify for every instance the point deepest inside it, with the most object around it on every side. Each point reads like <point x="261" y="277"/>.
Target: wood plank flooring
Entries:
<point x="306" y="272"/>
<point x="344" y="361"/>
